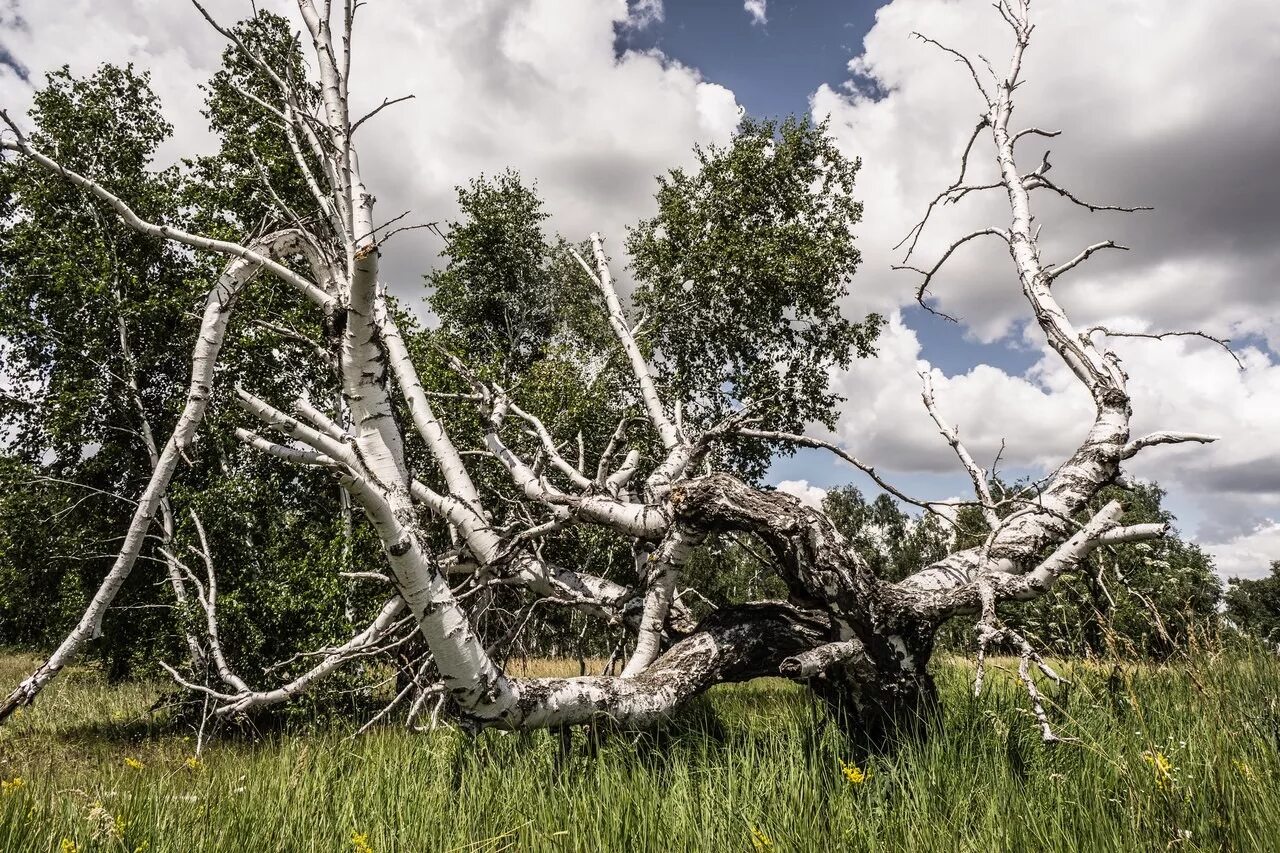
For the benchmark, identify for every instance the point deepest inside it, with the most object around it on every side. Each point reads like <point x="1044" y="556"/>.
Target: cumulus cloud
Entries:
<point x="1034" y="418"/>
<point x="645" y="13"/>
<point x="530" y="84"/>
<point x="757" y="10"/>
<point x="1248" y="555"/>
<point x="1142" y="124"/>
<point x="809" y="494"/>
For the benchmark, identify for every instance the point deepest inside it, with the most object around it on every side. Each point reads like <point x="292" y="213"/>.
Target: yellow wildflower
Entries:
<point x="194" y="763"/>
<point x="1243" y="768"/>
<point x="855" y="774"/>
<point x="68" y="846"/>
<point x="1161" y="766"/>
<point x="360" y="842"/>
<point x="133" y="763"/>
<point x="9" y="786"/>
<point x="760" y="840"/>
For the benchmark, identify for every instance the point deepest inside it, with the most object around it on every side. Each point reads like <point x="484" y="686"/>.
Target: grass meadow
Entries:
<point x="1173" y="757"/>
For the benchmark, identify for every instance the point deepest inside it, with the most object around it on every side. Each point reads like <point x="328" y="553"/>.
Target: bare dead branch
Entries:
<point x="1036" y="132"/>
<point x="931" y="272"/>
<point x="1037" y="180"/>
<point x="386" y="102"/>
<point x="951" y="194"/>
<point x="961" y="58"/>
<point x="1137" y="445"/>
<point x="1159" y="336"/>
<point x="976" y="474"/>
<point x="869" y="470"/>
<point x="1051" y="274"/>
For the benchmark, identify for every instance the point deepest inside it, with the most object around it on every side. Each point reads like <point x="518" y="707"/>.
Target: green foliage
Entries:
<point x="232" y="191"/>
<point x="893" y="543"/>
<point x="74" y="279"/>
<point x="1253" y="605"/>
<point x="39" y="586"/>
<point x="76" y="285"/>
<point x="505" y="299"/>
<point x="741" y="275"/>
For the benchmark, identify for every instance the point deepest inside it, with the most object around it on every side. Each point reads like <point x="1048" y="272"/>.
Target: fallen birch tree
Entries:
<point x="861" y="642"/>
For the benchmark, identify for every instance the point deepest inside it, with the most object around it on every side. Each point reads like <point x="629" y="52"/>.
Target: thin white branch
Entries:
<point x="1035" y="131"/>
<point x="293" y="455"/>
<point x="357" y="646"/>
<point x="166" y="232"/>
<point x="667" y="431"/>
<point x="561" y="464"/>
<point x="975" y="472"/>
<point x="209" y="602"/>
<point x="1051" y="274"/>
<point x="1137" y="445"/>
<point x="295" y="429"/>
<point x="369" y="576"/>
<point x="429" y="427"/>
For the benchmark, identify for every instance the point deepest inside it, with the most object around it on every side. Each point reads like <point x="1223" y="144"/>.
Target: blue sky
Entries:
<point x="772" y="68"/>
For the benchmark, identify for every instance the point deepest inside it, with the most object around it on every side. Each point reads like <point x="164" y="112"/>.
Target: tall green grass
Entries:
<point x="750" y="767"/>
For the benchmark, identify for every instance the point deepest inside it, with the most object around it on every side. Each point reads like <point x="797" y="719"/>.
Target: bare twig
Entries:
<point x="931" y="272"/>
<point x="976" y="474"/>
<point x="1159" y="336"/>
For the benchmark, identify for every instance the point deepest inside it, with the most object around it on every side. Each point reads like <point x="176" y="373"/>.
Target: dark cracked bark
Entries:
<point x="732" y="644"/>
<point x="884" y="683"/>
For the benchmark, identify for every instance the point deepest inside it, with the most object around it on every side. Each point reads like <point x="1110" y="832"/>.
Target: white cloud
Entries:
<point x="1036" y="418"/>
<point x="1249" y="555"/>
<point x="1141" y="124"/>
<point x="645" y="13"/>
<point x="530" y="84"/>
<point x="808" y="494"/>
<point x="757" y="10"/>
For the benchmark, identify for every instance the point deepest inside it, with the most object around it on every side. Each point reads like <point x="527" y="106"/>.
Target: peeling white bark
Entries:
<point x="661" y="570"/>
